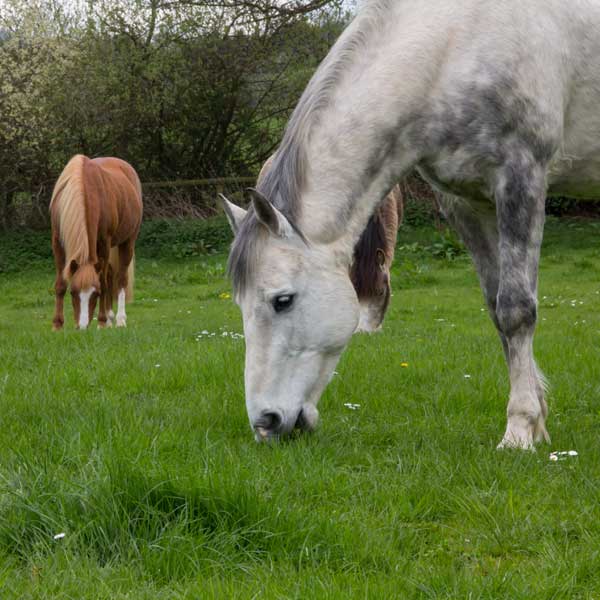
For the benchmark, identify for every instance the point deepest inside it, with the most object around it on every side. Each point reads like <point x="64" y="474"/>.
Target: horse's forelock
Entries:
<point x="85" y="277"/>
<point x="245" y="250"/>
<point x="243" y="256"/>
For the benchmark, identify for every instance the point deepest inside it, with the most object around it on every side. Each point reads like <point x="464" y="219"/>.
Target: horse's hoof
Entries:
<point x="512" y="444"/>
<point x="521" y="432"/>
<point x="56" y="327"/>
<point x="121" y="322"/>
<point x="516" y="439"/>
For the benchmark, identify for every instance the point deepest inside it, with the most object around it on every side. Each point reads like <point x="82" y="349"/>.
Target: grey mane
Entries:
<point x="285" y="179"/>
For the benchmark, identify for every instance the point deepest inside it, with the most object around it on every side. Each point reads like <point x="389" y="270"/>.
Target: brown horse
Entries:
<point x="96" y="212"/>
<point x="373" y="257"/>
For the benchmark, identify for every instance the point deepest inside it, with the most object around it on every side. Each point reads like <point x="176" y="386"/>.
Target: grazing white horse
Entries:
<point x="496" y="102"/>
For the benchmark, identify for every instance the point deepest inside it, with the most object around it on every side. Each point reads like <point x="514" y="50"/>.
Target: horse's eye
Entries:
<point x="281" y="303"/>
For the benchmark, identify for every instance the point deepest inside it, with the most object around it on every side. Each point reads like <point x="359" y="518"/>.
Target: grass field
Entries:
<point x="135" y="444"/>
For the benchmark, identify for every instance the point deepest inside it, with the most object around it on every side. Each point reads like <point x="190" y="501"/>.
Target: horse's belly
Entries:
<point x="570" y="176"/>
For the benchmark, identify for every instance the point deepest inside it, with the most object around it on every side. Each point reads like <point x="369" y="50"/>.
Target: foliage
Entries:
<point x="561" y="206"/>
<point x="442" y="244"/>
<point x="180" y="89"/>
<point x="161" y="238"/>
<point x="183" y="238"/>
<point x="446" y="245"/>
<point x="23" y="249"/>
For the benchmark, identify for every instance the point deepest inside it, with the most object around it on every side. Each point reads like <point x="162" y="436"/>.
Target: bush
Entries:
<point x="165" y="238"/>
<point x="183" y="238"/>
<point x="443" y="245"/>
<point x="24" y="249"/>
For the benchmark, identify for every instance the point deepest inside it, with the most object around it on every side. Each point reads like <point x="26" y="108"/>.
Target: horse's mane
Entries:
<point x="365" y="272"/>
<point x="380" y="234"/>
<point x="284" y="180"/>
<point x="68" y="203"/>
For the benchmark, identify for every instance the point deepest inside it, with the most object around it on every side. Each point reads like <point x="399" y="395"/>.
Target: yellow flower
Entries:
<point x="404" y="364"/>
<point x="225" y="296"/>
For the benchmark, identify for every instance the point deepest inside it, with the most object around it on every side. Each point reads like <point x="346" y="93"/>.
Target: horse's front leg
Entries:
<point x="103" y="257"/>
<point x="103" y="314"/>
<point x="60" y="285"/>
<point x="520" y="201"/>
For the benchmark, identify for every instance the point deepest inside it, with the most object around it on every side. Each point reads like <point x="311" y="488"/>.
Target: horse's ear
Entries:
<point x="235" y="214"/>
<point x="268" y="215"/>
<point x="72" y="268"/>
<point x="380" y="256"/>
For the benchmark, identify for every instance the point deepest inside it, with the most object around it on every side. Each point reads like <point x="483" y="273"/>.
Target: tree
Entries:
<point x="179" y="88"/>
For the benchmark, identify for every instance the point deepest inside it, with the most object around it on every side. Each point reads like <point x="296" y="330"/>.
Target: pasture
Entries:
<point x="135" y="444"/>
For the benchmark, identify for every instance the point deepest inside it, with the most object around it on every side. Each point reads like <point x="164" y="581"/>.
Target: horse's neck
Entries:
<point x="358" y="146"/>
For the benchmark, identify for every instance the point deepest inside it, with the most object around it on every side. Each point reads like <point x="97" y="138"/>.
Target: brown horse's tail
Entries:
<point x="68" y="211"/>
<point x="130" y="279"/>
<point x="114" y="274"/>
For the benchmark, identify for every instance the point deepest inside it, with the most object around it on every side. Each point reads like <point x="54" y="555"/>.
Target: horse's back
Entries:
<point x="120" y="171"/>
<point x="120" y="197"/>
<point x="506" y="82"/>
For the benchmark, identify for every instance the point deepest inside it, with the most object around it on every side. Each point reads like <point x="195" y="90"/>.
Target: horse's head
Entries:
<point x="374" y="300"/>
<point x="299" y="311"/>
<point x="85" y="289"/>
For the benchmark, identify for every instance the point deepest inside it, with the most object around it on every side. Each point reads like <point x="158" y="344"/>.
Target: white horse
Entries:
<point x="495" y="102"/>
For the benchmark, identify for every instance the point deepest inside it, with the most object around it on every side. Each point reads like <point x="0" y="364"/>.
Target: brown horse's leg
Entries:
<point x="60" y="285"/>
<point x="125" y="257"/>
<point x="110" y="294"/>
<point x="103" y="257"/>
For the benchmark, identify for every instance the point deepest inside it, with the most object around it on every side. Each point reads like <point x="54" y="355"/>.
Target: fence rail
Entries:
<point x="218" y="182"/>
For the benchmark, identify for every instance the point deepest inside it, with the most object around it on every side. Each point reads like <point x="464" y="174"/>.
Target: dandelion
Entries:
<point x="404" y="365"/>
<point x="467" y="376"/>
<point x="225" y="296"/>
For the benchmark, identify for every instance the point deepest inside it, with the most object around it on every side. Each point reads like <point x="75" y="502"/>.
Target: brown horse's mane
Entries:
<point x="68" y="208"/>
<point x="380" y="234"/>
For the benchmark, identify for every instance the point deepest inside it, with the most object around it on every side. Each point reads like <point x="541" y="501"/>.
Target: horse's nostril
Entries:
<point x="273" y="420"/>
<point x="301" y="421"/>
<point x="269" y="422"/>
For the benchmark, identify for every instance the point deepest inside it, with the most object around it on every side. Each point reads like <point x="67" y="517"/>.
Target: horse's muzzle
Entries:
<point x="272" y="424"/>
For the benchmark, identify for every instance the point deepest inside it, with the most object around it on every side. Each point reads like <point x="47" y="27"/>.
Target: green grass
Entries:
<point x="135" y="444"/>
